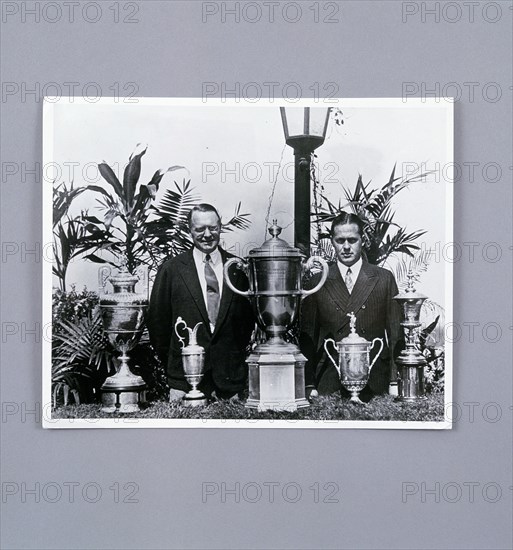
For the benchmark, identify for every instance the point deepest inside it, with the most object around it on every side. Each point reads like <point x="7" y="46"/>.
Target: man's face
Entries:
<point x="205" y="231"/>
<point x="347" y="242"/>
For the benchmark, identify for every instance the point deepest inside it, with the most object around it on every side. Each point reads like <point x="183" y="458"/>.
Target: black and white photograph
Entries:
<point x="256" y="275"/>
<point x="255" y="264"/>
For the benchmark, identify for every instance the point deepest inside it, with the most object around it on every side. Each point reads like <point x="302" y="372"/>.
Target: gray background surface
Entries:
<point x="170" y="51"/>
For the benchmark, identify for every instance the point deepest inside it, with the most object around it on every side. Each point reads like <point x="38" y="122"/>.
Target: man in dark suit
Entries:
<point x="191" y="286"/>
<point x="353" y="285"/>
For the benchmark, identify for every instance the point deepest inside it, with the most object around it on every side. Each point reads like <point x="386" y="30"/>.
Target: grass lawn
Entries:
<point x="330" y="407"/>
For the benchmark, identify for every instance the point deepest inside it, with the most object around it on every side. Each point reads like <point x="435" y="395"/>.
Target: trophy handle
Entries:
<point x="103" y="275"/>
<point x="379" y="352"/>
<point x="241" y="264"/>
<point x="142" y="273"/>
<point x="179" y="322"/>
<point x="329" y="355"/>
<point x="325" y="269"/>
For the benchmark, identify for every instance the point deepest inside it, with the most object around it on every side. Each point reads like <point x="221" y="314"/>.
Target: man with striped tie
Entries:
<point x="191" y="286"/>
<point x="353" y="285"/>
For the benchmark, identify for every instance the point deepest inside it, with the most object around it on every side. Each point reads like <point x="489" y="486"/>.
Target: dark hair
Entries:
<point x="345" y="218"/>
<point x="203" y="207"/>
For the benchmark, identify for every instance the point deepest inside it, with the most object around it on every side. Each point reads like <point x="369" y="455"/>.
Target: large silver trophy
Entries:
<point x="122" y="314"/>
<point x="411" y="361"/>
<point x="276" y="368"/>
<point x="193" y="360"/>
<point x="353" y="360"/>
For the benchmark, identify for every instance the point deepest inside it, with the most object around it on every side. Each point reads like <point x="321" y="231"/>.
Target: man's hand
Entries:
<point x="311" y="393"/>
<point x="175" y="395"/>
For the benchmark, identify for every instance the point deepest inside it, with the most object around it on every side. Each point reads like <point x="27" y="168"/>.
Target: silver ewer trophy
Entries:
<point x="193" y="360"/>
<point x="276" y="368"/>
<point x="353" y="360"/>
<point x="122" y="314"/>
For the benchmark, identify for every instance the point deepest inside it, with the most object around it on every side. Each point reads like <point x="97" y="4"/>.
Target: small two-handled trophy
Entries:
<point x="193" y="360"/>
<point x="353" y="360"/>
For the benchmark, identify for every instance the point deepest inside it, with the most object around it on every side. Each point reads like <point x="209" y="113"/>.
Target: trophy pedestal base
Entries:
<point x="411" y="378"/>
<point x="123" y="400"/>
<point x="194" y="399"/>
<point x="123" y="393"/>
<point x="277" y="406"/>
<point x="416" y="399"/>
<point x="276" y="378"/>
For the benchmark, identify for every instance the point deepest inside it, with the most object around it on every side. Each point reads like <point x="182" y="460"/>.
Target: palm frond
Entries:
<point x="399" y="242"/>
<point x="80" y="345"/>
<point x="323" y="247"/>
<point x="62" y="199"/>
<point x="417" y="264"/>
<point x="237" y="221"/>
<point x="175" y="205"/>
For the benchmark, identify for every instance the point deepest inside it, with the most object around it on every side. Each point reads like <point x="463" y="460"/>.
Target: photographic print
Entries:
<point x="248" y="263"/>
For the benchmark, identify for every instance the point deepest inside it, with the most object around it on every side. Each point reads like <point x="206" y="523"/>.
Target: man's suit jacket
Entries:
<point x="177" y="293"/>
<point x="324" y="315"/>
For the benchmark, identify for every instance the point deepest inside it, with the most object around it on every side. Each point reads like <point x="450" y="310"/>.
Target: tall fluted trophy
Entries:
<point x="353" y="360"/>
<point x="193" y="359"/>
<point x="411" y="361"/>
<point x="276" y="368"/>
<point x="123" y="312"/>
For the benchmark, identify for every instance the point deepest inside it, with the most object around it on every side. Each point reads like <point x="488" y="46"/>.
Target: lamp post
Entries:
<point x="305" y="130"/>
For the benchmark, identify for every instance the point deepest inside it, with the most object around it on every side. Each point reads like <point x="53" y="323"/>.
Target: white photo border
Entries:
<point x="447" y="104"/>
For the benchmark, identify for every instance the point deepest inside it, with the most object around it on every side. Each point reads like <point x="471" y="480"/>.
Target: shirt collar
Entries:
<point x="215" y="256"/>
<point x="355" y="268"/>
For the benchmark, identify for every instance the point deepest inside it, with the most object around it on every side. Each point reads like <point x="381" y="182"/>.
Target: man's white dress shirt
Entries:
<point x="355" y="270"/>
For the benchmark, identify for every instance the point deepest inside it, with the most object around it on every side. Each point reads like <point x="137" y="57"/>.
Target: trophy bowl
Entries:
<point x="276" y="302"/>
<point x="353" y="365"/>
<point x="275" y="273"/>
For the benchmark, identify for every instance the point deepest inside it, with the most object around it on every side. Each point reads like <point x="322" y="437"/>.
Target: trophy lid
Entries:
<point x="275" y="247"/>
<point x="353" y="338"/>
<point x="409" y="293"/>
<point x="123" y="277"/>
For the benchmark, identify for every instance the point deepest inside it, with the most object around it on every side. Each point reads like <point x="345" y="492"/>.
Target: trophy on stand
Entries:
<point x="353" y="360"/>
<point x="123" y="321"/>
<point x="411" y="362"/>
<point x="276" y="367"/>
<point x="193" y="359"/>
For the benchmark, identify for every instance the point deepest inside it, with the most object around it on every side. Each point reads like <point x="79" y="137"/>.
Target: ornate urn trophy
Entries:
<point x="353" y="360"/>
<point x="123" y="321"/>
<point x="276" y="367"/>
<point x="193" y="359"/>
<point x="411" y="362"/>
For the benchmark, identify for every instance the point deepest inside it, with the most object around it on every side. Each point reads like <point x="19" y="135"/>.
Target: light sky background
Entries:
<point x="223" y="145"/>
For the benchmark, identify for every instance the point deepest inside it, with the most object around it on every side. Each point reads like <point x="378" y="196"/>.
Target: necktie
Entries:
<point x="212" y="290"/>
<point x="349" y="281"/>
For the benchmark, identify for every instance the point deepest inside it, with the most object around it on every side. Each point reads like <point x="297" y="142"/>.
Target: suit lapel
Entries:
<point x="336" y="288"/>
<point x="189" y="276"/>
